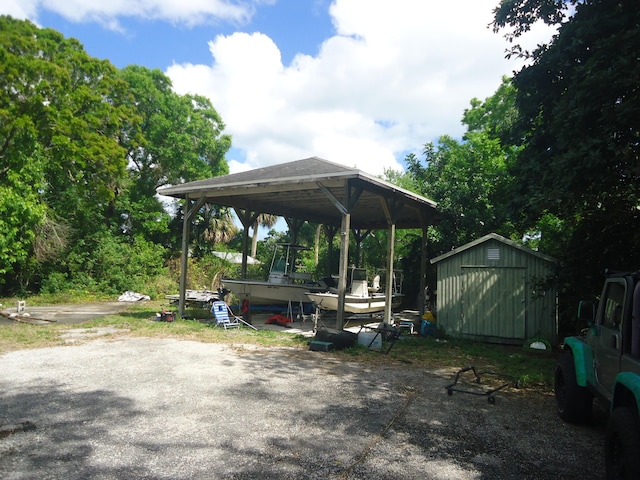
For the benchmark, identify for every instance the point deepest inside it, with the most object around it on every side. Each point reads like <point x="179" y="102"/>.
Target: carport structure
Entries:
<point x="317" y="191"/>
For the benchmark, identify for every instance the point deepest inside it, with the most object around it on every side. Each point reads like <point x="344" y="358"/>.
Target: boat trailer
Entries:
<point x="512" y="381"/>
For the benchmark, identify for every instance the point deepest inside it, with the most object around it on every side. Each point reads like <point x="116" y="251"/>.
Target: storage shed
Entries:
<point x="490" y="290"/>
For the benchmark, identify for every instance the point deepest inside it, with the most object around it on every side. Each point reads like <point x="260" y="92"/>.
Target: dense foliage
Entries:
<point x="579" y="127"/>
<point x="552" y="158"/>
<point x="468" y="178"/>
<point x="83" y="147"/>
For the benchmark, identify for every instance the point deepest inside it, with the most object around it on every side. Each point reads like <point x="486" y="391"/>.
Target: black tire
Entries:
<point x="622" y="445"/>
<point x="573" y="401"/>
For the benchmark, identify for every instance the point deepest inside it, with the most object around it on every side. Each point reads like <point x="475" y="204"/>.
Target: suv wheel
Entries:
<point x="622" y="445"/>
<point x="573" y="401"/>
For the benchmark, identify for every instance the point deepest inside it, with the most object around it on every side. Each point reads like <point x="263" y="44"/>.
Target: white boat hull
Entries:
<point x="352" y="303"/>
<point x="283" y="285"/>
<point x="266" y="293"/>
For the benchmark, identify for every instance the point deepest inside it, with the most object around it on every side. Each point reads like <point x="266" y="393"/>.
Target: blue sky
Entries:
<point x="296" y="26"/>
<point x="358" y="82"/>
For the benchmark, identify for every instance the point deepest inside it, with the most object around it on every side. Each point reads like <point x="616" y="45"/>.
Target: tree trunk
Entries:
<point x="317" y="245"/>
<point x="254" y="240"/>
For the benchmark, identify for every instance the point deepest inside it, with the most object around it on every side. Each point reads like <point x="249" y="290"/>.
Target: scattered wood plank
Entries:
<point x="26" y="318"/>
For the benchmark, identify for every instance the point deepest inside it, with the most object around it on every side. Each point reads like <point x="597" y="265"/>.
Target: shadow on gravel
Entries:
<point x="151" y="409"/>
<point x="66" y="427"/>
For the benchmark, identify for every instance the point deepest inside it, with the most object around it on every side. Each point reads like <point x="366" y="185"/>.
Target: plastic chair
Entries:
<point x="225" y="317"/>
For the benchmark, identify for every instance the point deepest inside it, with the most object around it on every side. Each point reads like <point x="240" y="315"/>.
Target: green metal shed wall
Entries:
<point x="490" y="292"/>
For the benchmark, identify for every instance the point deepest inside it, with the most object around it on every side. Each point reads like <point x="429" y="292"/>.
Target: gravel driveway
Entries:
<point x="137" y="408"/>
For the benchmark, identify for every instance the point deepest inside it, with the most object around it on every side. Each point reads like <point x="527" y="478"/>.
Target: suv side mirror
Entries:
<point x="587" y="311"/>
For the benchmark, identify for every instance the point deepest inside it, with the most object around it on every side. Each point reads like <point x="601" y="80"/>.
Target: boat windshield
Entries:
<point x="358" y="274"/>
<point x="284" y="257"/>
<point x="279" y="265"/>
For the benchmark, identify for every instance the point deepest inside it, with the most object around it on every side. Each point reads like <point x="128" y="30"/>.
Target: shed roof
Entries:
<point x="486" y="238"/>
<point x="307" y="189"/>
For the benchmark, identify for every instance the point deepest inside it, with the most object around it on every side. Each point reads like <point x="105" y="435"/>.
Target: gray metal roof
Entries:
<point x="303" y="189"/>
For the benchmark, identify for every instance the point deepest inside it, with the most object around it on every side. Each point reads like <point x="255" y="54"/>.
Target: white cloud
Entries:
<point x="20" y="8"/>
<point x="395" y="76"/>
<point x="107" y="13"/>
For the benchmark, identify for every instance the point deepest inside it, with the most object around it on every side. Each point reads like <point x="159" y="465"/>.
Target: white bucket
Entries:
<point x="365" y="338"/>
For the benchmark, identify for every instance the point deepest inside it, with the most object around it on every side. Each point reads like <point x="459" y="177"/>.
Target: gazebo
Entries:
<point x="314" y="190"/>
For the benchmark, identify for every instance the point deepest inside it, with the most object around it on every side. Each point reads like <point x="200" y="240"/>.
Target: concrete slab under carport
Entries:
<point x="307" y="326"/>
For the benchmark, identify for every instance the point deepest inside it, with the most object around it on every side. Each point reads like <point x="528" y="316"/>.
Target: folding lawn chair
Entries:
<point x="388" y="334"/>
<point x="225" y="317"/>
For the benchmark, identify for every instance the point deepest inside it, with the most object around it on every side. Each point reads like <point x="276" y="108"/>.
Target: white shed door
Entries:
<point x="493" y="302"/>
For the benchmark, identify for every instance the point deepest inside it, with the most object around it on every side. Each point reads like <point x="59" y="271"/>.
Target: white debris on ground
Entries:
<point x="131" y="296"/>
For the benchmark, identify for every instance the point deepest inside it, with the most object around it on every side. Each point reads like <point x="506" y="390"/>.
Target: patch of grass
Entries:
<point x="56" y="299"/>
<point x="141" y="321"/>
<point x="533" y="369"/>
<point x="19" y="335"/>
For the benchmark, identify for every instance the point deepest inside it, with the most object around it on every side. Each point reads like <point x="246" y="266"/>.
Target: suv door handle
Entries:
<point x="615" y="341"/>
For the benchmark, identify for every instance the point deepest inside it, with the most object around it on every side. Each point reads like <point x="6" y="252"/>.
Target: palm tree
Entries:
<point x="265" y="220"/>
<point x="219" y="225"/>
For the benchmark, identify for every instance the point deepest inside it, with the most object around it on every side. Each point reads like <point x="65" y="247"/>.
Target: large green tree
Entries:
<point x="179" y="139"/>
<point x="60" y="116"/>
<point x="468" y="178"/>
<point x="579" y="125"/>
<point x="83" y="147"/>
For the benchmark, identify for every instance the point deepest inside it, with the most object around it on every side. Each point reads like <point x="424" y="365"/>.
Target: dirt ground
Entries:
<point x="108" y="406"/>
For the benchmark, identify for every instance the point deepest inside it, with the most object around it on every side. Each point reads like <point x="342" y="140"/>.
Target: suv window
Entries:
<point x="614" y="302"/>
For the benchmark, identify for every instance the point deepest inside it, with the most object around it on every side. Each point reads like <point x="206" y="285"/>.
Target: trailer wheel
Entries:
<point x="622" y="445"/>
<point x="573" y="401"/>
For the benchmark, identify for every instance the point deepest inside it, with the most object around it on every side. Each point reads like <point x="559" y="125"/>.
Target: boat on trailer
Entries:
<point x="361" y="298"/>
<point x="284" y="284"/>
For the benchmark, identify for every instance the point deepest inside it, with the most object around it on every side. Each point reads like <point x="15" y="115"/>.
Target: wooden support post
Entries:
<point x="344" y="265"/>
<point x="190" y="208"/>
<point x="391" y="237"/>
<point x="423" y="272"/>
